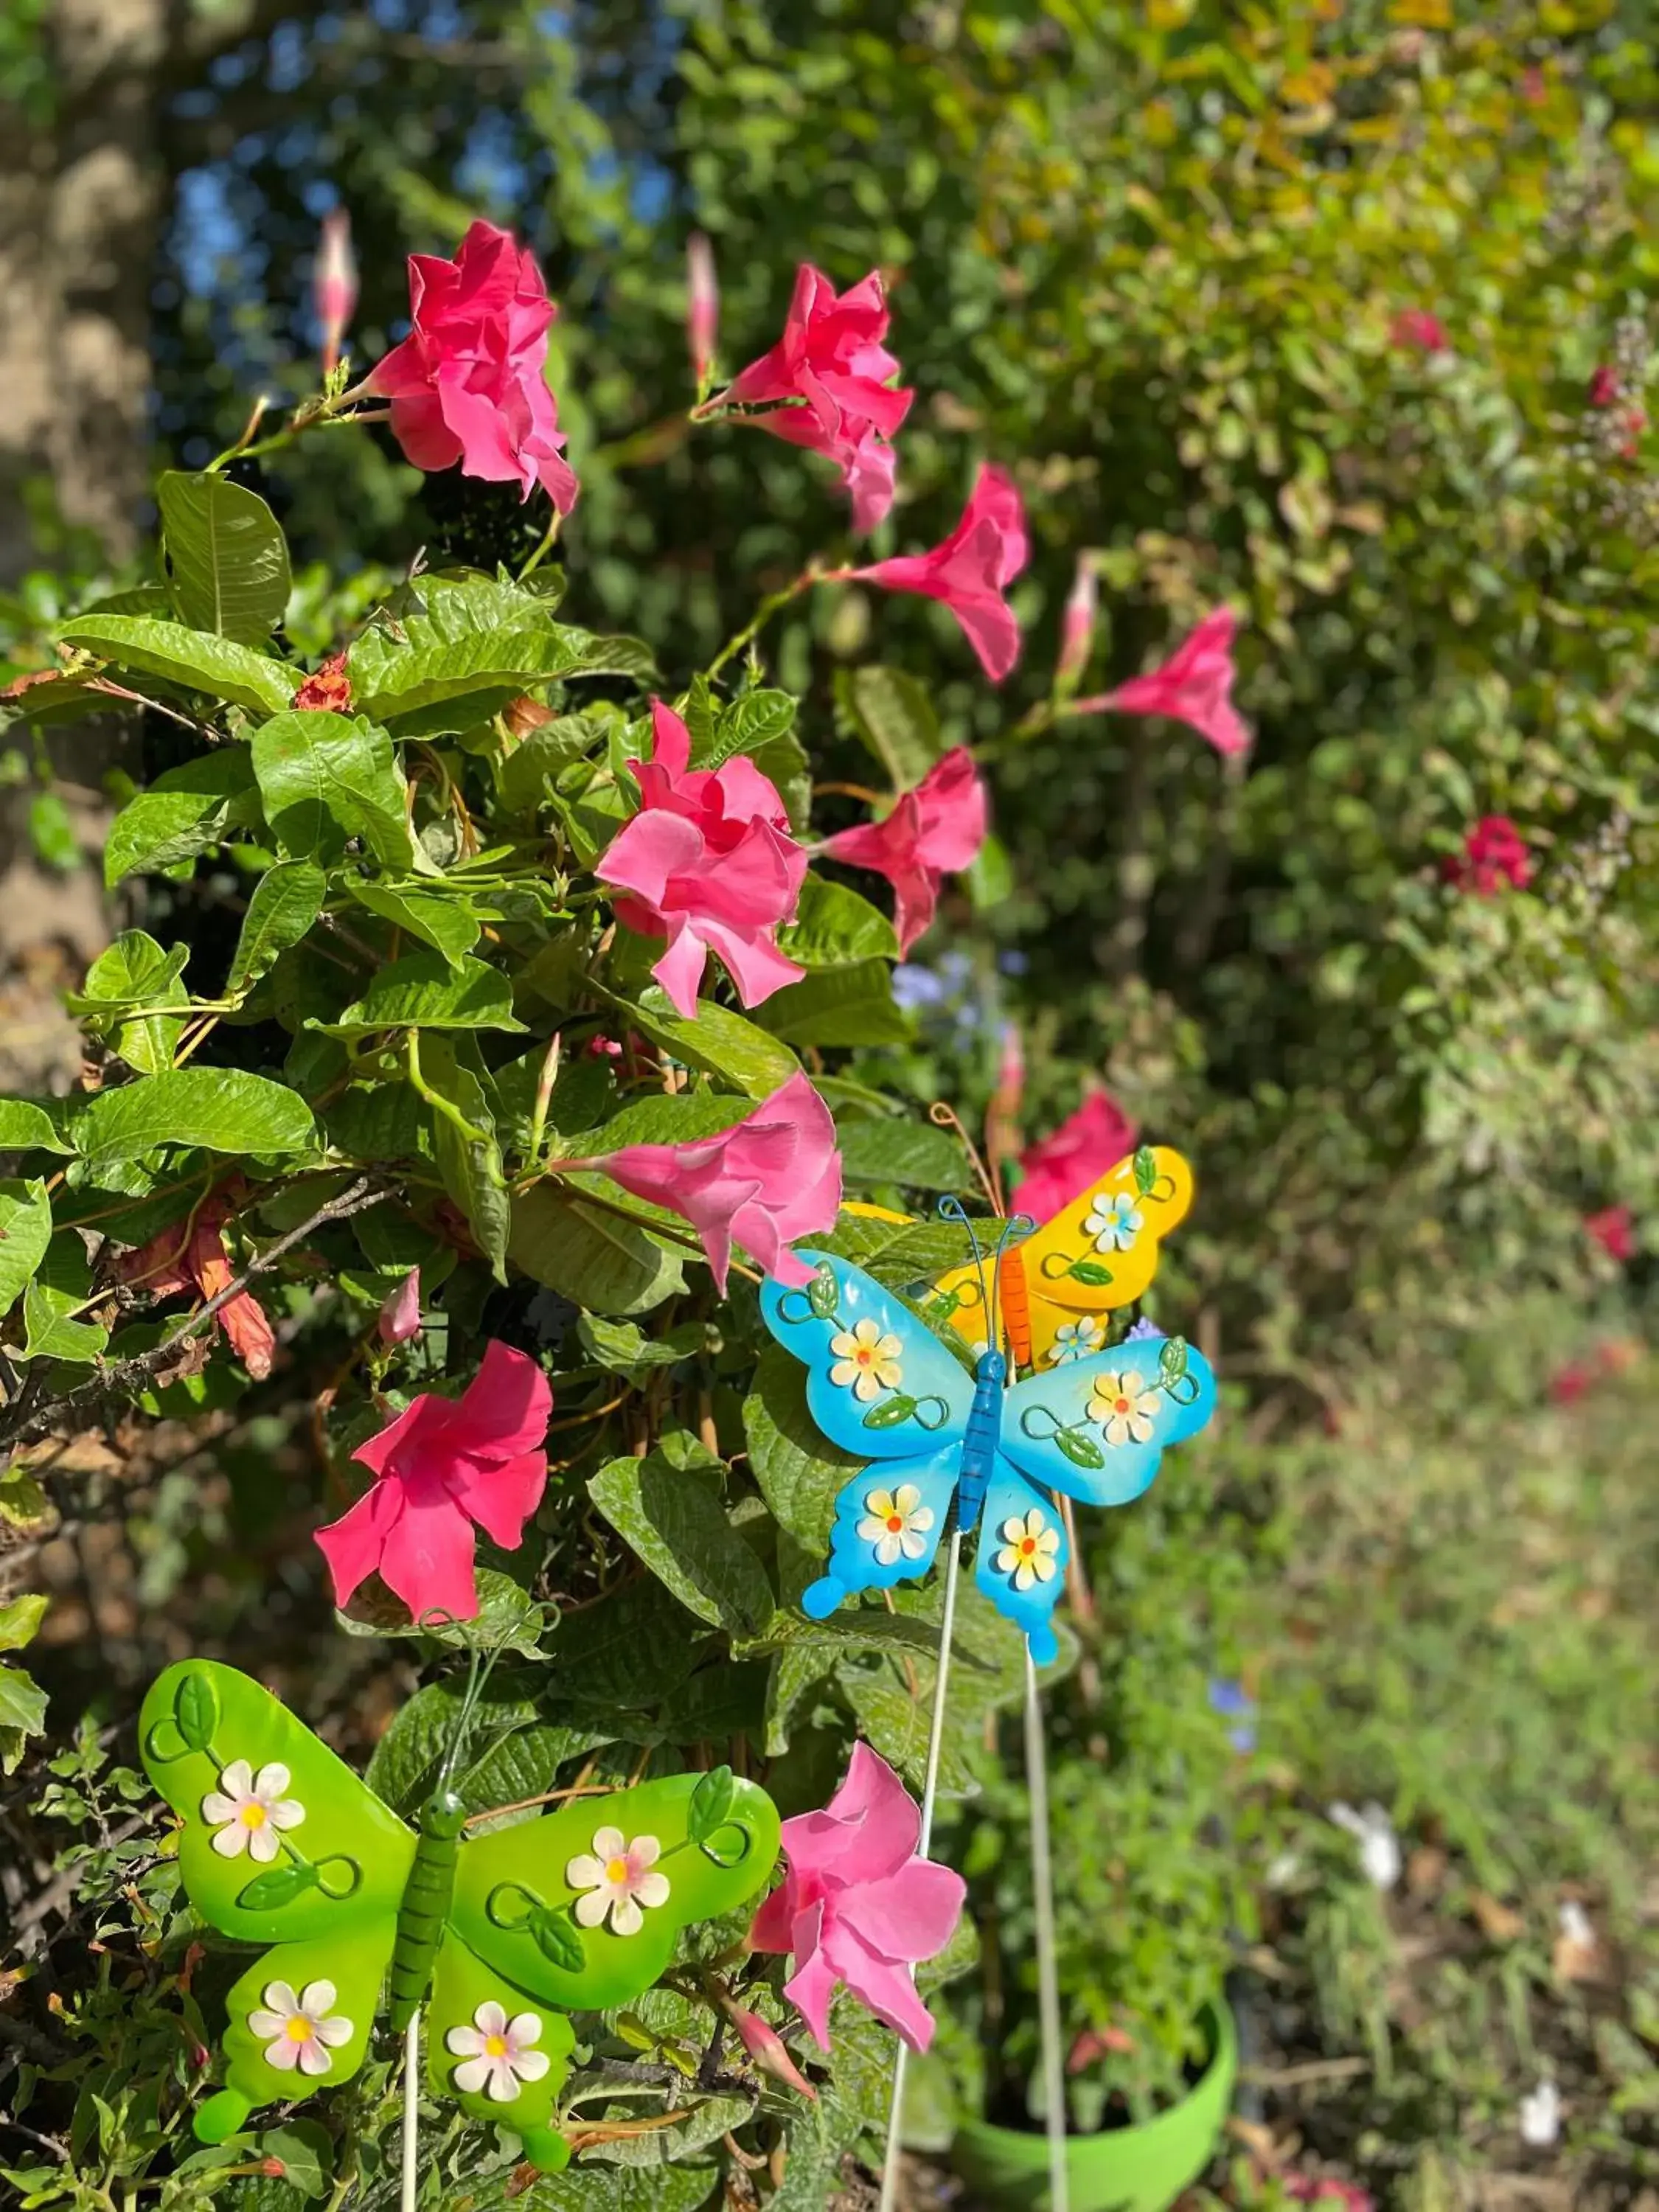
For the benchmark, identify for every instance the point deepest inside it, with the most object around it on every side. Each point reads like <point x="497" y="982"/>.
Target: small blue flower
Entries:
<point x="1013" y="964"/>
<point x="1142" y="1329"/>
<point x="915" y="986"/>
<point x="1233" y="1702"/>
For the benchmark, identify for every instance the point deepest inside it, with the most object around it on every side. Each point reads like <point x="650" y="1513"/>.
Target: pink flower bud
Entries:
<point x="400" y="1316"/>
<point x="703" y="305"/>
<point x="334" y="283"/>
<point x="765" y="2046"/>
<point x="1077" y="627"/>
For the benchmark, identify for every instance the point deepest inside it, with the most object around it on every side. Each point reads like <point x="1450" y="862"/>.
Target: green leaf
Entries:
<point x="526" y="772"/>
<point x="135" y="972"/>
<point x="589" y="1255"/>
<point x="442" y="918"/>
<point x="194" y="659"/>
<point x="278" y="1886"/>
<point x="1172" y="1359"/>
<point x="286" y="902"/>
<point x="823" y="1293"/>
<point x="720" y="1041"/>
<point x="892" y="713"/>
<point x="663" y="1121"/>
<point x="675" y="1522"/>
<point x="51" y="833"/>
<point x="899" y="1150"/>
<point x="556" y="1936"/>
<point x="424" y="991"/>
<point x="471" y="1164"/>
<point x="23" y="1713"/>
<point x="475" y="648"/>
<point x="798" y="1469"/>
<point x="744" y="725"/>
<point x="307" y="2151"/>
<point x="195" y="1710"/>
<point x="25" y="1126"/>
<point x="1145" y="1169"/>
<point x="711" y="1803"/>
<point x="850" y="1006"/>
<point x="62" y="1283"/>
<point x="1079" y="1448"/>
<point x="222" y="1110"/>
<point x="21" y="1618"/>
<point x="328" y="777"/>
<point x="24" y="1232"/>
<point x="185" y="811"/>
<point x="834" y="926"/>
<point x="225" y="555"/>
<point x="594" y="2188"/>
<point x="625" y="1349"/>
<point x="1090" y="1272"/>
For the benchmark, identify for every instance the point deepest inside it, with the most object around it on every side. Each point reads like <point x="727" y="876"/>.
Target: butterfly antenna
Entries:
<point x="952" y="1209"/>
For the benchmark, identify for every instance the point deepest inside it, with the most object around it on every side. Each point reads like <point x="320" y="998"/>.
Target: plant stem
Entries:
<point x="411" y="2174"/>
<point x="549" y="539"/>
<point x="763" y="615"/>
<point x="1042" y="1888"/>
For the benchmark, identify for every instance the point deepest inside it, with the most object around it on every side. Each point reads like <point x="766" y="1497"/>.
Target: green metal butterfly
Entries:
<point x="579" y="1909"/>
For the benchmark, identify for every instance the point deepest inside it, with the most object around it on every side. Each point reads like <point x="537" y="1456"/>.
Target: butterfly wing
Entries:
<point x="543" y="1904"/>
<point x="282" y="1842"/>
<point x="1023" y="1554"/>
<point x="500" y="2053"/>
<point x="1097" y="1428"/>
<point x="878" y="1383"/>
<point x="889" y="1519"/>
<point x="299" y="2019"/>
<point x="1098" y="1253"/>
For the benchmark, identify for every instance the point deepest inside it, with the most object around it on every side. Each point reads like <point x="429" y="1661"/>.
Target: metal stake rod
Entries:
<point x="411" y="2113"/>
<point x="1043" y="1887"/>
<point x="929" y="1795"/>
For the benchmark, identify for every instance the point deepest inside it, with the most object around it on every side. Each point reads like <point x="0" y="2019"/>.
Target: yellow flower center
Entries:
<point x="895" y="1523"/>
<point x="252" y="1816"/>
<point x="494" y="2046"/>
<point x="299" y="2028"/>
<point x="864" y="1356"/>
<point x="615" y="1870"/>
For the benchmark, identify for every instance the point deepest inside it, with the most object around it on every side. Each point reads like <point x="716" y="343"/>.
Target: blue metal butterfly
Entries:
<point x="879" y="1384"/>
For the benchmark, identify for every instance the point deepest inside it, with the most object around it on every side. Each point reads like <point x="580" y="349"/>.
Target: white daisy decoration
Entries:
<point x="621" y="1879"/>
<point x="865" y="1360"/>
<point x="497" y="2054"/>
<point x="1114" y="1223"/>
<point x="1076" y="1340"/>
<point x="896" y="1523"/>
<point x="1124" y="1407"/>
<point x="249" y="1811"/>
<point x="1029" y="1550"/>
<point x="298" y="2031"/>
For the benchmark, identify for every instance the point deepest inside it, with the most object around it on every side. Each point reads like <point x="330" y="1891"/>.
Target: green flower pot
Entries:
<point x="1139" y="2169"/>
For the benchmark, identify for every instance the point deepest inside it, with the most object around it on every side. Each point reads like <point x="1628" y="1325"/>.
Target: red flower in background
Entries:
<point x="1416" y="330"/>
<point x="1613" y="1229"/>
<point x="1060" y="1166"/>
<point x="1494" y="853"/>
<point x="328" y="689"/>
<point x="467" y="384"/>
<point x="192" y="1256"/>
<point x="1195" y="685"/>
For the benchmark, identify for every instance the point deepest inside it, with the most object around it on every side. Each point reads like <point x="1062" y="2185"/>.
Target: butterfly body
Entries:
<point x="495" y="1937"/>
<point x="882" y="1385"/>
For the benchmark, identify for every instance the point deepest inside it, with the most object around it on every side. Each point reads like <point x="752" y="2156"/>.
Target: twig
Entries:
<point x="24" y="1425"/>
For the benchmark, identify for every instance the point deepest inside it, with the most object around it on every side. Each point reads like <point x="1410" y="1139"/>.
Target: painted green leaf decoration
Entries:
<point x="821" y="1294"/>
<point x="711" y="1804"/>
<point x="1145" y="1167"/>
<point x="557" y="1940"/>
<point x="893" y="1411"/>
<point x="277" y="1885"/>
<point x="1081" y="1450"/>
<point x="195" y="1711"/>
<point x="1090" y="1270"/>
<point x="1172" y="1360"/>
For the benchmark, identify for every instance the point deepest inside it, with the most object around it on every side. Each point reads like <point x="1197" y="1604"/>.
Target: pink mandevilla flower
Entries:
<point x="857" y="1905"/>
<point x="702" y="305"/>
<point x="1614" y="1229"/>
<point x="708" y="862"/>
<point x="969" y="572"/>
<point x="334" y="283"/>
<point x="1416" y="330"/>
<point x="1060" y="1166"/>
<point x="1077" y="622"/>
<point x="192" y="1256"/>
<point x="833" y="373"/>
<point x="772" y="1177"/>
<point x="933" y="831"/>
<point x="400" y="1316"/>
<point x="1195" y="685"/>
<point x="467" y="384"/>
<point x="443" y="1465"/>
<point x="766" y="2048"/>
<point x="1494" y="854"/>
